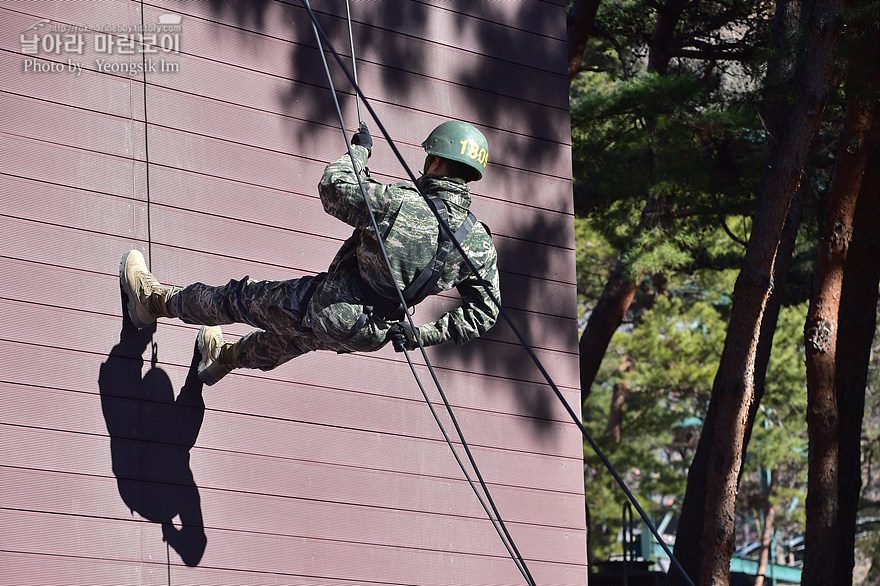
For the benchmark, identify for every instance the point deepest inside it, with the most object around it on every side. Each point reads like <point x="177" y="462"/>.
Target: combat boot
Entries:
<point x="146" y="296"/>
<point x="218" y="356"/>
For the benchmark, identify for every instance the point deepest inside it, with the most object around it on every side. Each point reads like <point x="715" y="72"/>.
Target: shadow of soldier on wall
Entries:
<point x="151" y="434"/>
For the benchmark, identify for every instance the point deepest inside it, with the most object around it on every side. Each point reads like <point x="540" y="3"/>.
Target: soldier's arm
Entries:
<point x="341" y="196"/>
<point x="477" y="312"/>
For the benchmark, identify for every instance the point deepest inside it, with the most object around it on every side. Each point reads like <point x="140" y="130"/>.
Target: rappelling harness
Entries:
<point x="426" y="281"/>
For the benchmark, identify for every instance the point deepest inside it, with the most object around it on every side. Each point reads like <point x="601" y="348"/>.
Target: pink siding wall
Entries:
<point x="328" y="470"/>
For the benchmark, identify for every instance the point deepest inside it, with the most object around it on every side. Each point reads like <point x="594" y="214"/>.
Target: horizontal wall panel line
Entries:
<point x="70" y="276"/>
<point x="256" y="419"/>
<point x="64" y="105"/>
<point x="47" y="534"/>
<point x="239" y="180"/>
<point x="84" y="455"/>
<point x="64" y="186"/>
<point x="314" y="270"/>
<point x="81" y="362"/>
<point x="494" y="19"/>
<point x="58" y="565"/>
<point x="402" y="387"/>
<point x="17" y="227"/>
<point x="312" y="196"/>
<point x="267" y="376"/>
<point x="512" y="238"/>
<point x="203" y="464"/>
<point x="196" y="450"/>
<point x="138" y="81"/>
<point x="282" y="497"/>
<point x="305" y="423"/>
<point x="300" y="156"/>
<point x="359" y="20"/>
<point x="44" y="141"/>
<point x="55" y="225"/>
<point x="344" y="88"/>
<point x="245" y="533"/>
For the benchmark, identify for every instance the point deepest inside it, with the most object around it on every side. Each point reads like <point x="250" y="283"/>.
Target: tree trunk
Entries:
<point x="782" y="74"/>
<point x="858" y="318"/>
<point x="604" y="320"/>
<point x="615" y="413"/>
<point x="820" y="336"/>
<point x="771" y="314"/>
<point x="661" y="47"/>
<point x="705" y="539"/>
<point x="581" y="17"/>
<point x="858" y="304"/>
<point x="766" y="539"/>
<point x="821" y="331"/>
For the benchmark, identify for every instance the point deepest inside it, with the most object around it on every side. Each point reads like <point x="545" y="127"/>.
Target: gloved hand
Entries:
<point x="403" y="336"/>
<point x="362" y="137"/>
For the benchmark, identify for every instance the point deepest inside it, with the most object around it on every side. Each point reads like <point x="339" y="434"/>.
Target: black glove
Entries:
<point x="362" y="137"/>
<point x="403" y="336"/>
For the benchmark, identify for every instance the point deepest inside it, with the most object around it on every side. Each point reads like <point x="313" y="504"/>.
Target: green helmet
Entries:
<point x="459" y="141"/>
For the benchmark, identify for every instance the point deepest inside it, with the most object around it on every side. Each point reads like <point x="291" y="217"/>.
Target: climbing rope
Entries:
<point x="354" y="69"/>
<point x="319" y="33"/>
<point x="497" y="521"/>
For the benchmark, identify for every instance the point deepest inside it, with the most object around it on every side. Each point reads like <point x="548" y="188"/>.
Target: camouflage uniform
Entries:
<point x="321" y="312"/>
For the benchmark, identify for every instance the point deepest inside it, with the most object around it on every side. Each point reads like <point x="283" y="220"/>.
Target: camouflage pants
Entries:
<point x="276" y="308"/>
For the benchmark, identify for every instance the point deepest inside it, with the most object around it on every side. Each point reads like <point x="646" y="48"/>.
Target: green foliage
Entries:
<point x="594" y="260"/>
<point x="667" y="361"/>
<point x="666" y="136"/>
<point x="661" y="162"/>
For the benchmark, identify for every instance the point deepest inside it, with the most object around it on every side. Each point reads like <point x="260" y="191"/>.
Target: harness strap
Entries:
<point x="424" y="283"/>
<point x="426" y="280"/>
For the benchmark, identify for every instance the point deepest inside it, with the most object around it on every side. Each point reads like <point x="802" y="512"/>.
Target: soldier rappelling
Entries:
<point x="354" y="305"/>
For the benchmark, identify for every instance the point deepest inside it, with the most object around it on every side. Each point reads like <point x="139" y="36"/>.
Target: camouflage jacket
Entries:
<point x="358" y="274"/>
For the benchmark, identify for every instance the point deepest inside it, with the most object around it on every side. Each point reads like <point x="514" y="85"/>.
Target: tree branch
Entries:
<point x="733" y="236"/>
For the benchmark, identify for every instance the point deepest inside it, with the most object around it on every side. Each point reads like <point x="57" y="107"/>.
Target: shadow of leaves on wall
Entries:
<point x="398" y="74"/>
<point x="151" y="434"/>
<point x="536" y="314"/>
